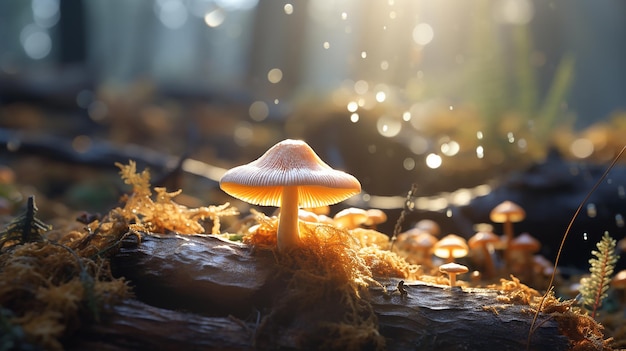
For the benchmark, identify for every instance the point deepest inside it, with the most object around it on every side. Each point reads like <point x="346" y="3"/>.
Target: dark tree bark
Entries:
<point x="222" y="283"/>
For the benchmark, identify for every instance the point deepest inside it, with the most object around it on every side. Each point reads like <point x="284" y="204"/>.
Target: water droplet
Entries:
<point x="259" y="111"/>
<point x="510" y="137"/>
<point x="406" y="116"/>
<point x="450" y="148"/>
<point x="276" y="101"/>
<point x="451" y="108"/>
<point x="433" y="161"/>
<point x="388" y="127"/>
<point x="353" y="106"/>
<point x="381" y="96"/>
<point x="326" y="45"/>
<point x="275" y="75"/>
<point x="592" y="212"/>
<point x="449" y="213"/>
<point x="480" y="151"/>
<point x="363" y="54"/>
<point x="621" y="192"/>
<point x="408" y="164"/>
<point x="585" y="236"/>
<point x="354" y="117"/>
<point x="479" y="135"/>
<point x="344" y="16"/>
<point x="288" y="9"/>
<point x="214" y="18"/>
<point x="423" y="34"/>
<point x="619" y="220"/>
<point x="384" y="65"/>
<point x="361" y="87"/>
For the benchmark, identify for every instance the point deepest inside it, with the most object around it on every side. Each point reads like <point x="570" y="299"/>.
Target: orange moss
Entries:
<point x="333" y="264"/>
<point x="163" y="215"/>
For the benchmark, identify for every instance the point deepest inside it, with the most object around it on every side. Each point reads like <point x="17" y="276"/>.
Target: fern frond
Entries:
<point x="594" y="288"/>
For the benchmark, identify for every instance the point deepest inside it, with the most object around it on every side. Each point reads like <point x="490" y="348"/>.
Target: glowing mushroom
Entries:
<point x="428" y="225"/>
<point x="289" y="175"/>
<point x="350" y="218"/>
<point x="484" y="241"/>
<point x="375" y="217"/>
<point x="526" y="246"/>
<point x="507" y="213"/>
<point x="450" y="247"/>
<point x="452" y="269"/>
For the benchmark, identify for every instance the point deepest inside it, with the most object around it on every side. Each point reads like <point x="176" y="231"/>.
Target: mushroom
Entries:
<point x="375" y="217"/>
<point x="350" y="218"/>
<point x="452" y="269"/>
<point x="289" y="175"/>
<point x="507" y="213"/>
<point x="428" y="225"/>
<point x="419" y="248"/>
<point x="526" y="246"/>
<point x="450" y="247"/>
<point x="484" y="241"/>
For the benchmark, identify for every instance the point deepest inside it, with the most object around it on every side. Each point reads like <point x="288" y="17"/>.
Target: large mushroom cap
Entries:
<point x="289" y="163"/>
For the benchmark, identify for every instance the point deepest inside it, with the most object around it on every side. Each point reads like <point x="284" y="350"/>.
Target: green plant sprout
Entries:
<point x="594" y="288"/>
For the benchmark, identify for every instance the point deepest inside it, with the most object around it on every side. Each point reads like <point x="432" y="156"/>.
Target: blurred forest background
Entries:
<point x="447" y="94"/>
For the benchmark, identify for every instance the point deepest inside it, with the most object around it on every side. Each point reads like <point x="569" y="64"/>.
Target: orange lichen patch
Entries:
<point x="163" y="215"/>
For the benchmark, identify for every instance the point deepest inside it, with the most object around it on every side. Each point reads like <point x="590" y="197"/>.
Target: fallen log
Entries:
<point x="214" y="280"/>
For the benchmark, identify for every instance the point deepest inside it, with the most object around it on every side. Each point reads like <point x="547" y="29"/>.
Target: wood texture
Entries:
<point x="219" y="284"/>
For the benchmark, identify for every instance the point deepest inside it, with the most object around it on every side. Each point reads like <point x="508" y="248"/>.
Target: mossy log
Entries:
<point x="226" y="290"/>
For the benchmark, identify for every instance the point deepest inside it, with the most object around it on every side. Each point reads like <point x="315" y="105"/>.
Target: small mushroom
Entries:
<point x="289" y="175"/>
<point x="507" y="213"/>
<point x="525" y="246"/>
<point x="428" y="225"/>
<point x="450" y="247"/>
<point x="375" y="217"/>
<point x="350" y="218"/>
<point x="417" y="247"/>
<point x="484" y="242"/>
<point x="452" y="269"/>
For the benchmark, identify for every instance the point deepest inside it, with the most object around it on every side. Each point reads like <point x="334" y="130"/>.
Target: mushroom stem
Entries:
<point x="288" y="235"/>
<point x="452" y="278"/>
<point x="490" y="267"/>
<point x="508" y="230"/>
<point x="450" y="257"/>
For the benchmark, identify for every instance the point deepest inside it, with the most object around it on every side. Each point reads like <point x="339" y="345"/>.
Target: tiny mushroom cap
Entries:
<point x="350" y="218"/>
<point x="482" y="241"/>
<point x="525" y="242"/>
<point x="450" y="247"/>
<point x="374" y="217"/>
<point x="452" y="269"/>
<point x="428" y="225"/>
<point x="289" y="175"/>
<point x="507" y="213"/>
